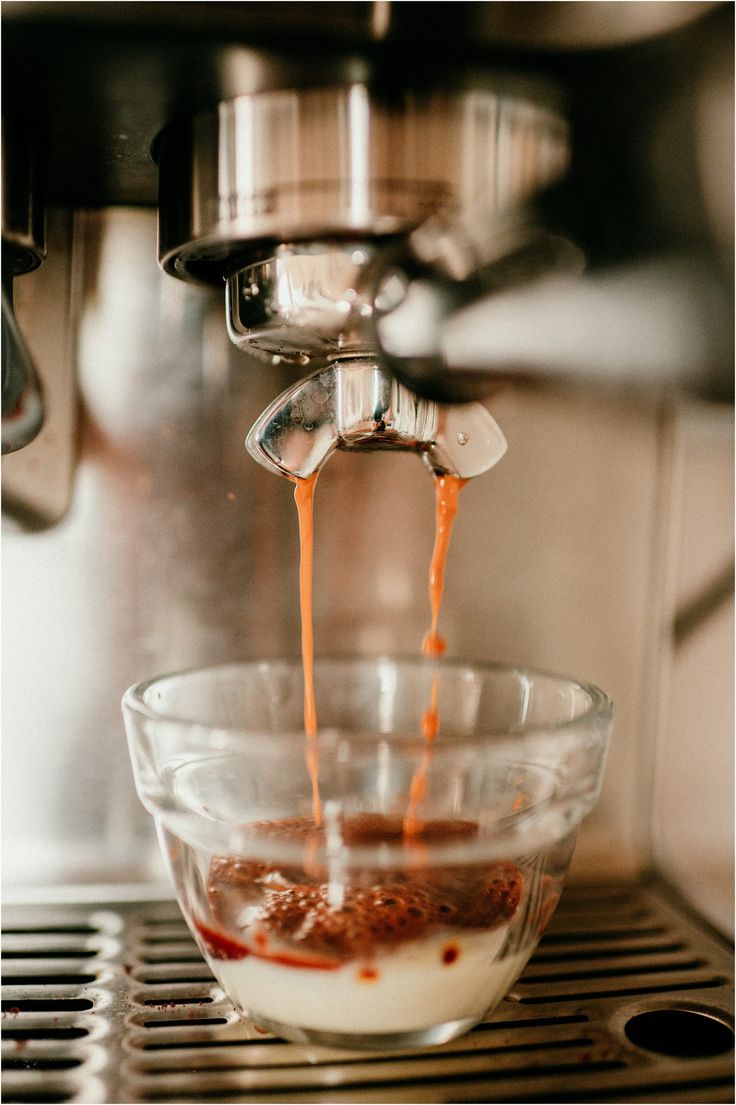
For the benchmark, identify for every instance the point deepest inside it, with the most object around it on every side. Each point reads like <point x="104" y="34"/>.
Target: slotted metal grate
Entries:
<point x="117" y="1005"/>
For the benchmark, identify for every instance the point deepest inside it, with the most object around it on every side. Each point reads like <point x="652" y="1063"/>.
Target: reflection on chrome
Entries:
<point x="354" y="404"/>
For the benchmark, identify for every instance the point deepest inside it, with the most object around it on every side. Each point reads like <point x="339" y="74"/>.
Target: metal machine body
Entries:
<point x="140" y="536"/>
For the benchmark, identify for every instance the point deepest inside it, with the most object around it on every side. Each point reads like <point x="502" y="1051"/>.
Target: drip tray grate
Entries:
<point x="628" y="999"/>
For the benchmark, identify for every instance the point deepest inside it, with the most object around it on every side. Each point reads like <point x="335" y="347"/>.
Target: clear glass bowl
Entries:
<point x="396" y="921"/>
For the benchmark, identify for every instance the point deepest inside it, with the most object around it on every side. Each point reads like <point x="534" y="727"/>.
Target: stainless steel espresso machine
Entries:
<point x="386" y="222"/>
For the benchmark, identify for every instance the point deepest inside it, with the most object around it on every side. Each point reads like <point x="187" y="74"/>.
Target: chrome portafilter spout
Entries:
<point x="353" y="403"/>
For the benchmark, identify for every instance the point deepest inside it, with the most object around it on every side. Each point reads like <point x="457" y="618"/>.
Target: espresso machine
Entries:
<point x="361" y="235"/>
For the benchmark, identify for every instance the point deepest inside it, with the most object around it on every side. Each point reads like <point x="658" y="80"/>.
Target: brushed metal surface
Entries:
<point x="303" y="164"/>
<point x="146" y="1022"/>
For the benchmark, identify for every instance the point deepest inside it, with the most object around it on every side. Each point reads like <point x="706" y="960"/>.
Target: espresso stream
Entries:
<point x="447" y="491"/>
<point x="304" y="498"/>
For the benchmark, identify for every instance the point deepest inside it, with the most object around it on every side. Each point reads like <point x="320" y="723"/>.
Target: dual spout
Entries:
<point x="353" y="403"/>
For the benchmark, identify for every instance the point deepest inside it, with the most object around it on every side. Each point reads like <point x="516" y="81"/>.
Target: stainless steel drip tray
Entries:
<point x="628" y="999"/>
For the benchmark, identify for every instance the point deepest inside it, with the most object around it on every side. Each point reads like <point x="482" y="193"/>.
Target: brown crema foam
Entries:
<point x="291" y="912"/>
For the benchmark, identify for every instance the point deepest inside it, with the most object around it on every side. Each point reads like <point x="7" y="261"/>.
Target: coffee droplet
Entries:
<point x="463" y="438"/>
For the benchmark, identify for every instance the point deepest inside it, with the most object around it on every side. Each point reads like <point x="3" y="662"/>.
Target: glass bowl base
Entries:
<point x="368" y="1041"/>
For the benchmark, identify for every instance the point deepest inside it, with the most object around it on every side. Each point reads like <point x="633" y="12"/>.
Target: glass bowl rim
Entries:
<point x="600" y="708"/>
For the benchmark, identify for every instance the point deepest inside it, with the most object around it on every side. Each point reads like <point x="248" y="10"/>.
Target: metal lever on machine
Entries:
<point x="465" y="301"/>
<point x="22" y="399"/>
<point x="354" y="404"/>
<point x="23" y="250"/>
<point x="445" y="266"/>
